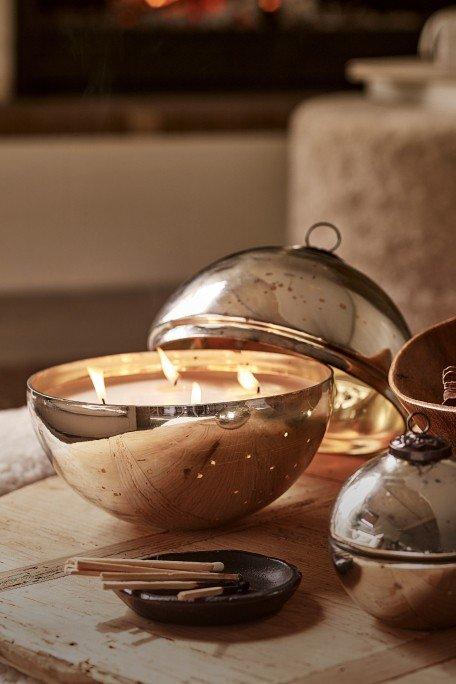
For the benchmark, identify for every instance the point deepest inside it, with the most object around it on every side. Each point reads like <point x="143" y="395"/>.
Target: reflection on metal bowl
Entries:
<point x="393" y="533"/>
<point x="410" y="595"/>
<point x="363" y="421"/>
<point x="301" y="300"/>
<point x="182" y="467"/>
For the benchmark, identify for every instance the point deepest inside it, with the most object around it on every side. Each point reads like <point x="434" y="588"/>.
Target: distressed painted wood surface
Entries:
<point x="63" y="629"/>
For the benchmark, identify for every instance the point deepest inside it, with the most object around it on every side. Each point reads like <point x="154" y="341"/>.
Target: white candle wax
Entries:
<point x="216" y="386"/>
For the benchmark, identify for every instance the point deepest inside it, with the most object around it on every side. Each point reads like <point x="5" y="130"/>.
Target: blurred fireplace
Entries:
<point x="131" y="46"/>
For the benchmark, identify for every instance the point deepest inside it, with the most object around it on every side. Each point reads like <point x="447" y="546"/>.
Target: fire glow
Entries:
<point x="97" y="377"/>
<point x="169" y="370"/>
<point x="248" y="381"/>
<point x="245" y="379"/>
<point x="196" y="395"/>
<point x="157" y="4"/>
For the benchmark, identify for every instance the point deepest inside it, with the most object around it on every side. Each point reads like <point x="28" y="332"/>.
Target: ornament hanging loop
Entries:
<point x="412" y="423"/>
<point x="324" y="224"/>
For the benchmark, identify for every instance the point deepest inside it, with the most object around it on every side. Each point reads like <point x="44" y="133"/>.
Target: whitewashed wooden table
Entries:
<point x="64" y="629"/>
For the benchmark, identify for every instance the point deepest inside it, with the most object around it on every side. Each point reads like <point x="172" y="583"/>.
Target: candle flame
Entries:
<point x="97" y="377"/>
<point x="196" y="394"/>
<point x="247" y="380"/>
<point x="169" y="370"/>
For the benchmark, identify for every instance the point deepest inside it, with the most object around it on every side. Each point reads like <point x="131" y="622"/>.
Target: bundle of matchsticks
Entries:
<point x="191" y="580"/>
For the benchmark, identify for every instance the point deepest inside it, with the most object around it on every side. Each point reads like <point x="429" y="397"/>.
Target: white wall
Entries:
<point x="83" y="212"/>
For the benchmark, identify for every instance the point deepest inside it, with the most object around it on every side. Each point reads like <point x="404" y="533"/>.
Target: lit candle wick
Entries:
<point x="196" y="394"/>
<point x="168" y="368"/>
<point x="248" y="381"/>
<point x="97" y="377"/>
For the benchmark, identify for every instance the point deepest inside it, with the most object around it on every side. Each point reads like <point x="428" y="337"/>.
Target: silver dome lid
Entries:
<point x="401" y="505"/>
<point x="302" y="299"/>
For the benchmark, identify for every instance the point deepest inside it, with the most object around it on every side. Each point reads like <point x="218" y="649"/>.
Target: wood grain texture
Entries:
<point x="64" y="629"/>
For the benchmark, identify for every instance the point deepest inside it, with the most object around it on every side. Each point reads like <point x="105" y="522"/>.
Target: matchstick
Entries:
<point x="115" y="563"/>
<point x="204" y="592"/>
<point x="132" y="573"/>
<point x="152" y="586"/>
<point x="82" y="573"/>
<point x="170" y="575"/>
<point x="94" y="566"/>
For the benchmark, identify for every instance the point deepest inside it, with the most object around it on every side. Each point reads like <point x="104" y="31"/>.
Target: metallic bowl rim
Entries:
<point x="418" y="557"/>
<point x="336" y="356"/>
<point x="205" y="409"/>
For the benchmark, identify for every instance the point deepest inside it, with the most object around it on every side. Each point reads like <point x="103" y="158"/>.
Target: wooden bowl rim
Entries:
<point x="404" y="397"/>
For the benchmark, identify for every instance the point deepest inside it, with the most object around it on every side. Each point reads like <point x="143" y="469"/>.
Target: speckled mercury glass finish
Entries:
<point x="305" y="301"/>
<point x="182" y="466"/>
<point x="393" y="538"/>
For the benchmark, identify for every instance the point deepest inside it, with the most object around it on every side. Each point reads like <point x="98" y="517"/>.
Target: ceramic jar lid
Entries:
<point x="401" y="505"/>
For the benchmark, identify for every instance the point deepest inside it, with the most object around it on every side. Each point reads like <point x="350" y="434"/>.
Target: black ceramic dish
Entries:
<point x="272" y="582"/>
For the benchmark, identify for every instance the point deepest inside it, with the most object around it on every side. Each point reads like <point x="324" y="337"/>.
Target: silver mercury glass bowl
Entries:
<point x="393" y="534"/>
<point x="306" y="301"/>
<point x="181" y="466"/>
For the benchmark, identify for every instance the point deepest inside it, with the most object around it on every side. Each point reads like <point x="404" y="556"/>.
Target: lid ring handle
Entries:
<point x="324" y="224"/>
<point x="411" y="421"/>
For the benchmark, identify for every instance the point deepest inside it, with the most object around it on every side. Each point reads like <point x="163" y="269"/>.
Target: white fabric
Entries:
<point x="22" y="461"/>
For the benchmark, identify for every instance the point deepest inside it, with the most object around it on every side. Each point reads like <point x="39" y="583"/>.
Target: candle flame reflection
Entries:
<point x="97" y="377"/>
<point x="247" y="380"/>
<point x="196" y="394"/>
<point x="169" y="370"/>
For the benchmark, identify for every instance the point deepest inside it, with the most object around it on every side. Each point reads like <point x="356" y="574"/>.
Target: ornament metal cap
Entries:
<point x="420" y="447"/>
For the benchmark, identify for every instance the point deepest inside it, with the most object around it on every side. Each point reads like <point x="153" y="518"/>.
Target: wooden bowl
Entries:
<point x="416" y="376"/>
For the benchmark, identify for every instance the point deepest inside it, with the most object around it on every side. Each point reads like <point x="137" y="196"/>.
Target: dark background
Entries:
<point x="121" y="66"/>
<point x="126" y="46"/>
